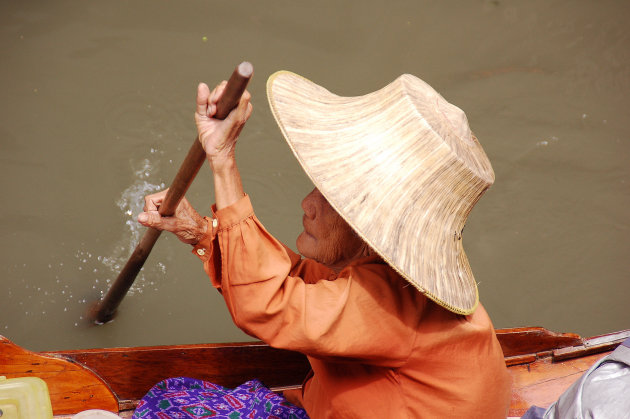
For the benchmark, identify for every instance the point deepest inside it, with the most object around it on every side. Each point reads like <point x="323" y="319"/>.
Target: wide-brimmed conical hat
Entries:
<point x="401" y="166"/>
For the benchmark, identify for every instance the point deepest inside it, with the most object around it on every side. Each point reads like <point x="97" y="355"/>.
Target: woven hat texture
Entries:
<point x="401" y="166"/>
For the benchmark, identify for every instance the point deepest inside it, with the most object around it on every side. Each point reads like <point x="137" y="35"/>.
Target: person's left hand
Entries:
<point x="186" y="224"/>
<point x="218" y="137"/>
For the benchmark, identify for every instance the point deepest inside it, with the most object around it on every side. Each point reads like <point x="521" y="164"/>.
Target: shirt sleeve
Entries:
<point x="367" y="312"/>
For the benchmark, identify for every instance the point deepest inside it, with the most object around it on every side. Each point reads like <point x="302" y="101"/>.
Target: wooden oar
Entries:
<point x="104" y="310"/>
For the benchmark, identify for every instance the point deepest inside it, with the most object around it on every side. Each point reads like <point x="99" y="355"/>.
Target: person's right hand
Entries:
<point x="218" y="137"/>
<point x="186" y="224"/>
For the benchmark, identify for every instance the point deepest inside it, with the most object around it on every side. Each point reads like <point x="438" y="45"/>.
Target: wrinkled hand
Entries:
<point x="186" y="224"/>
<point x="218" y="137"/>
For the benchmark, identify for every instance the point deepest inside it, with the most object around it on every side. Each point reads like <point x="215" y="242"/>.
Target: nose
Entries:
<point x="308" y="204"/>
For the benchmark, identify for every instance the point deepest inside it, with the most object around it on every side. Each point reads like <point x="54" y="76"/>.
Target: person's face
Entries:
<point x="326" y="238"/>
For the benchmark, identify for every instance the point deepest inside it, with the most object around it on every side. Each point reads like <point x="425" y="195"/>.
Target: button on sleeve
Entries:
<point x="203" y="249"/>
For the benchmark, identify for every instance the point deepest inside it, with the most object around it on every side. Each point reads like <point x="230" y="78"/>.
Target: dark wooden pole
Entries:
<point x="105" y="309"/>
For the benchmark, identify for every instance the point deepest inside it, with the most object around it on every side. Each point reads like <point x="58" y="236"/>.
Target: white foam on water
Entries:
<point x="103" y="269"/>
<point x="131" y="203"/>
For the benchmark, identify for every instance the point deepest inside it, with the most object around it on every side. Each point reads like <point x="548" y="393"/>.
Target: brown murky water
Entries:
<point x="96" y="111"/>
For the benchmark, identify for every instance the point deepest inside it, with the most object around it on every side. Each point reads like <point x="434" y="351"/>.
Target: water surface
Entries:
<point x="97" y="108"/>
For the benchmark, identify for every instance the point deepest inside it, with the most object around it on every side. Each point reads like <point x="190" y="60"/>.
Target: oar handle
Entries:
<point x="104" y="310"/>
<point x="196" y="156"/>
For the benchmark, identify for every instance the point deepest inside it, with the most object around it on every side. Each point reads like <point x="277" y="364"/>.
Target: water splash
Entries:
<point x="131" y="203"/>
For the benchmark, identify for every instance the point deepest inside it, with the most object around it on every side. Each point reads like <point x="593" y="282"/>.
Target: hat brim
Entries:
<point x="348" y="147"/>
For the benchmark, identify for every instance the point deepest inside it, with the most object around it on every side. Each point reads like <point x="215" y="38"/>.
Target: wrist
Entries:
<point x="202" y="230"/>
<point x="222" y="164"/>
<point x="228" y="187"/>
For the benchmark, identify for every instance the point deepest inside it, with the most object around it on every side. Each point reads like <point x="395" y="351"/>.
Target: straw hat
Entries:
<point x="401" y="166"/>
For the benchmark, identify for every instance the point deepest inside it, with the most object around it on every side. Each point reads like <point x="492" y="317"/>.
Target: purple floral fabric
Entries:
<point x="182" y="397"/>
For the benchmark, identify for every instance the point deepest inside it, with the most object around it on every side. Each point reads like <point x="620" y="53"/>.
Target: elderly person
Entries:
<point x="382" y="299"/>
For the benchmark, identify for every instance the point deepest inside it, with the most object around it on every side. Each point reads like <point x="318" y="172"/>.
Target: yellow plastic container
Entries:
<point x="24" y="398"/>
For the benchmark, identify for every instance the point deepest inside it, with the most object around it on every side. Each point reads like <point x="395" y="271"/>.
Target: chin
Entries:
<point x="302" y="246"/>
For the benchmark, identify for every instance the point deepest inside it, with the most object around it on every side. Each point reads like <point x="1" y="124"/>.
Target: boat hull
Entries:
<point x="543" y="364"/>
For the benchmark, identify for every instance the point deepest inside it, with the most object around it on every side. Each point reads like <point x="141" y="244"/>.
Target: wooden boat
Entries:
<point x="542" y="364"/>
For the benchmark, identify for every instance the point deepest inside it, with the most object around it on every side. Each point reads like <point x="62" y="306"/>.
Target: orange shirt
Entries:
<point x="378" y="348"/>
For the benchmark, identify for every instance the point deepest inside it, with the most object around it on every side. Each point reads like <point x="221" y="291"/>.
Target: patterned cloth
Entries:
<point x="179" y="398"/>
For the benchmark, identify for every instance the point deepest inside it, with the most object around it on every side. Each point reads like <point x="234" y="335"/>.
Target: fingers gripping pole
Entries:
<point x="105" y="309"/>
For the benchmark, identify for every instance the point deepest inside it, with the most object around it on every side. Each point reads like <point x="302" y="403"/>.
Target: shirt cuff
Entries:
<point x="230" y="216"/>
<point x="222" y="219"/>
<point x="203" y="249"/>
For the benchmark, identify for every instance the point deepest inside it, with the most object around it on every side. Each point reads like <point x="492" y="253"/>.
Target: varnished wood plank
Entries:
<point x="131" y="372"/>
<point x="520" y="359"/>
<point x="615" y="337"/>
<point x="592" y="345"/>
<point x="531" y="340"/>
<point x="72" y="387"/>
